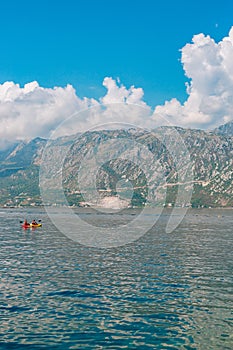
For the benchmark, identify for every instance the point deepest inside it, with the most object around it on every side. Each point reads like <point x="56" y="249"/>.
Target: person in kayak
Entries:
<point x="34" y="222"/>
<point x="26" y="223"/>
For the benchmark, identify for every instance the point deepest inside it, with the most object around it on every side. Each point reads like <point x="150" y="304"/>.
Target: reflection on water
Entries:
<point x="164" y="291"/>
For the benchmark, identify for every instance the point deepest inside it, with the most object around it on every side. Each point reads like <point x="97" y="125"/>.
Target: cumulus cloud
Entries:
<point x="117" y="93"/>
<point x="208" y="65"/>
<point x="32" y="110"/>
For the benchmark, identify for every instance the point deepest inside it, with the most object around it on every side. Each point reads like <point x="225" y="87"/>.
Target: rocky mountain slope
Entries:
<point x="226" y="129"/>
<point x="122" y="168"/>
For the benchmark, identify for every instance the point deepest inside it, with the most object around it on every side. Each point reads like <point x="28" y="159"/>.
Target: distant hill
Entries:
<point x="211" y="156"/>
<point x="226" y="129"/>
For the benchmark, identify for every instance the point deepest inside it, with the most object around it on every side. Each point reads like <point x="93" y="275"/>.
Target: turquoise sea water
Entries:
<point x="164" y="291"/>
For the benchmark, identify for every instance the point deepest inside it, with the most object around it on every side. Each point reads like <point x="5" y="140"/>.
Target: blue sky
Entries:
<point x="173" y="59"/>
<point x="81" y="42"/>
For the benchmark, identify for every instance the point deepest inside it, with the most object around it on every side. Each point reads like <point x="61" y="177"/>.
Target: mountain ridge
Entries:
<point x="211" y="155"/>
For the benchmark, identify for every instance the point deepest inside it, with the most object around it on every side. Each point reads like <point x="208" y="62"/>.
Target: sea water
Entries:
<point x="163" y="291"/>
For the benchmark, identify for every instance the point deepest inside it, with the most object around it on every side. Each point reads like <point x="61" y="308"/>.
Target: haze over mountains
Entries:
<point x="211" y="160"/>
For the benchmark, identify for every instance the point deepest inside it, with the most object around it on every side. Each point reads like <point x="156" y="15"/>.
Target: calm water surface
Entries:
<point x="165" y="291"/>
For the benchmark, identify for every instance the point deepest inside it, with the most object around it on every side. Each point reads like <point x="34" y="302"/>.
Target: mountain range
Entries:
<point x="103" y="168"/>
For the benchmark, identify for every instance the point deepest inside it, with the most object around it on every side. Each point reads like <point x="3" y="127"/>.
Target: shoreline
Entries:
<point x="118" y="209"/>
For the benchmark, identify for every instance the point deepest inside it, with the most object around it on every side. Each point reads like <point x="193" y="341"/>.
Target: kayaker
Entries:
<point x="26" y="223"/>
<point x="34" y="222"/>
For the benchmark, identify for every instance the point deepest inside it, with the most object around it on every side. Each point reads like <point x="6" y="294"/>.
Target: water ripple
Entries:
<point x="165" y="291"/>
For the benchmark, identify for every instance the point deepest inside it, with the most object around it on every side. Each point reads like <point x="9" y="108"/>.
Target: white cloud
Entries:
<point x="30" y="111"/>
<point x="33" y="111"/>
<point x="117" y="93"/>
<point x="209" y="67"/>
